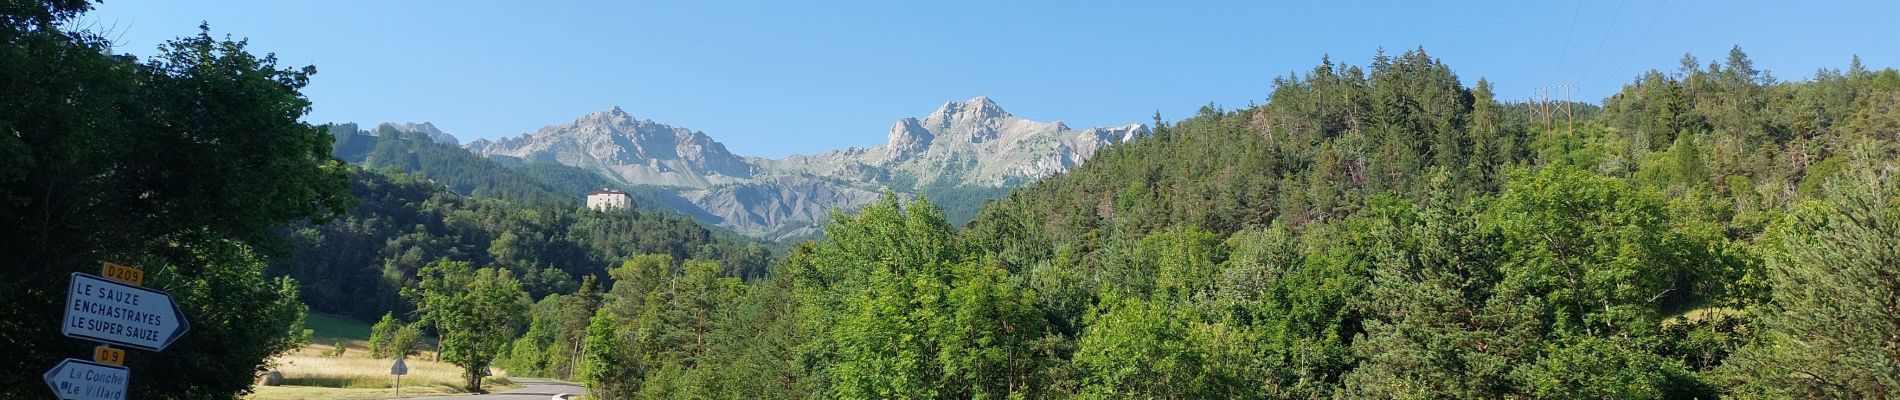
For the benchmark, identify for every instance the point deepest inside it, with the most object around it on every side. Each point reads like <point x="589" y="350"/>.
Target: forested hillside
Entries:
<point x="462" y="172"/>
<point x="1369" y="232"/>
<point x="457" y="206"/>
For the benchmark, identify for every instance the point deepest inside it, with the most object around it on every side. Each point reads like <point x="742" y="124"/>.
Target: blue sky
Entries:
<point x="772" y="78"/>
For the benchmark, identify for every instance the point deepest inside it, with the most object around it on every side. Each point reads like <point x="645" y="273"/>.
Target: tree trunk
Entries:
<point x="474" y="384"/>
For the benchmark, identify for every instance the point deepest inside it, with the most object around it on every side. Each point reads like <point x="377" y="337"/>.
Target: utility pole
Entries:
<point x="1570" y="114"/>
<point x="1544" y="101"/>
<point x="1531" y="102"/>
<point x="1543" y="108"/>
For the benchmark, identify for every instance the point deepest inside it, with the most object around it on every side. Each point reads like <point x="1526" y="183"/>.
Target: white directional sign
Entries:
<point x="76" y="379"/>
<point x="115" y="312"/>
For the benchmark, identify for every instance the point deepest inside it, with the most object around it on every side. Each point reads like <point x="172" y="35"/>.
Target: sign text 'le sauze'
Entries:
<point x="115" y="312"/>
<point x="112" y="308"/>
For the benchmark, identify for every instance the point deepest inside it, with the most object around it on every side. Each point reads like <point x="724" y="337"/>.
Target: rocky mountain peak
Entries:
<point x="908" y="138"/>
<point x="610" y="116"/>
<point x="976" y="111"/>
<point x="424" y="128"/>
<point x="637" y="151"/>
<point x="965" y="144"/>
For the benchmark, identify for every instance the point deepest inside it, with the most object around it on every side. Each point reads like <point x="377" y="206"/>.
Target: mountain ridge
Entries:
<point x="971" y="145"/>
<point x="632" y="151"/>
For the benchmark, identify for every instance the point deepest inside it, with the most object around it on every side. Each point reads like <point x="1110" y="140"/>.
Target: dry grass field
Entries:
<point x="309" y="374"/>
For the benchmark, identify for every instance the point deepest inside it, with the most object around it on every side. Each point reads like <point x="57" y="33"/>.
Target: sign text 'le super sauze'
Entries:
<point x="112" y="309"/>
<point x="113" y="312"/>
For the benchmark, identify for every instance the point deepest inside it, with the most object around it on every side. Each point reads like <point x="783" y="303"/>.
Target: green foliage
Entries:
<point x="332" y="326"/>
<point x="1379" y="245"/>
<point x="407" y="342"/>
<point x="475" y="311"/>
<point x="607" y="371"/>
<point x="1427" y="334"/>
<point x="239" y="319"/>
<point x="383" y="335"/>
<point x="1830" y="328"/>
<point x="675" y="321"/>
<point x="1598" y="254"/>
<point x="357" y="264"/>
<point x="896" y="308"/>
<point x="391" y="338"/>
<point x="666" y="332"/>
<point x="1369" y="232"/>
<point x="1597" y="369"/>
<point x="179" y="164"/>
<point x="30" y="16"/>
<point x="554" y="345"/>
<point x="1380" y="232"/>
<point x="459" y="171"/>
<point x="1148" y="349"/>
<point x="1818" y="175"/>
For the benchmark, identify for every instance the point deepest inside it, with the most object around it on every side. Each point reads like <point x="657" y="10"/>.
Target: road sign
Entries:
<point x="399" y="369"/>
<point x="108" y="355"/>
<point x="114" y="312"/>
<point x="76" y="379"/>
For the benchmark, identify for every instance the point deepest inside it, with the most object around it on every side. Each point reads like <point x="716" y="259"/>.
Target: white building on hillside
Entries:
<point x="606" y="199"/>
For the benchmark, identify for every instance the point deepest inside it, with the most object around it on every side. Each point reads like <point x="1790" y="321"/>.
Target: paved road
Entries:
<point x="531" y="389"/>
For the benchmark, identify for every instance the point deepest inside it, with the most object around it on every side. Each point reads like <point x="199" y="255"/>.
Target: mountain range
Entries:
<point x="959" y="155"/>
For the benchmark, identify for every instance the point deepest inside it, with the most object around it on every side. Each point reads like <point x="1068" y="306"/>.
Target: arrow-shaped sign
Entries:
<point x="115" y="312"/>
<point x="76" y="379"/>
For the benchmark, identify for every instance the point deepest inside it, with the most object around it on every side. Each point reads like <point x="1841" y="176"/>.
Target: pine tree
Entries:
<point x="1832" y="326"/>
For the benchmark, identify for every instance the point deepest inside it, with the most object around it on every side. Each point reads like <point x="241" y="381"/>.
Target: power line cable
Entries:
<point x="1600" y="43"/>
<point x="1565" y="53"/>
<point x="1645" y="35"/>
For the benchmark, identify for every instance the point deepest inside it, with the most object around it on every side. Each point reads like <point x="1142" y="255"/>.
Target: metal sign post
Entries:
<point x="399" y="369"/>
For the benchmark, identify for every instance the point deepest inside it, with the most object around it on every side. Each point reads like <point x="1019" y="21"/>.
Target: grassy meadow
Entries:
<point x="311" y="372"/>
<point x="326" y="327"/>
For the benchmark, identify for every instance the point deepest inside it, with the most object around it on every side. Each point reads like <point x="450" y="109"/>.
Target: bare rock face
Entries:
<point x="777" y="207"/>
<point x="979" y="119"/>
<point x="969" y="143"/>
<point x="907" y="139"/>
<point x="636" y="152"/>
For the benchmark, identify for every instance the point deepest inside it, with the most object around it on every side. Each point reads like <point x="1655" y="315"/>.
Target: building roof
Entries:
<point x="607" y="191"/>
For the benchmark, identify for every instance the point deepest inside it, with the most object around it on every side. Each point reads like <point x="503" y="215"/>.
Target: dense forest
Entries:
<point x="1369" y="232"/>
